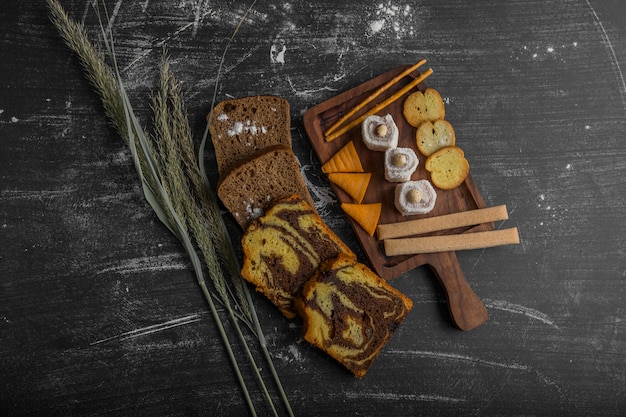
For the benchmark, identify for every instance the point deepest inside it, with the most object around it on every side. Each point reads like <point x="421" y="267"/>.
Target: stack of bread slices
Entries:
<point x="255" y="160"/>
<point x="290" y="254"/>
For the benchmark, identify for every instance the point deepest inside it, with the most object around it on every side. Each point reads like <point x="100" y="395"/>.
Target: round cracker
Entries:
<point x="419" y="107"/>
<point x="448" y="167"/>
<point x="432" y="136"/>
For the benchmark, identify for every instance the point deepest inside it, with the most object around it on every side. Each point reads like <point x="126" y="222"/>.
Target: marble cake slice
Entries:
<point x="284" y="248"/>
<point x="350" y="312"/>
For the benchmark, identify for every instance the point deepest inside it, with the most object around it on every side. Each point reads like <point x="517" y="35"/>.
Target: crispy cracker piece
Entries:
<point x="353" y="183"/>
<point x="432" y="136"/>
<point x="448" y="167"/>
<point x="345" y="160"/>
<point x="366" y="215"/>
<point x="420" y="107"/>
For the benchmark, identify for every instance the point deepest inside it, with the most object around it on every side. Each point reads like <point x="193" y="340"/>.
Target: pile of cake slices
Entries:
<point x="290" y="255"/>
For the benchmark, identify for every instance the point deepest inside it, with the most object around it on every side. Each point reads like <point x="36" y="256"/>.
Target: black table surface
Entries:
<point x="100" y="312"/>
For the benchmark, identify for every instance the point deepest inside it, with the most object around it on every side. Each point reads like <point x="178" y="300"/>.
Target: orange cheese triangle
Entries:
<point x="353" y="183"/>
<point x="366" y="215"/>
<point x="345" y="160"/>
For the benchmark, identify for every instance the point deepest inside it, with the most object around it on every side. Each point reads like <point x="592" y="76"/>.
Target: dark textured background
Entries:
<point x="536" y="92"/>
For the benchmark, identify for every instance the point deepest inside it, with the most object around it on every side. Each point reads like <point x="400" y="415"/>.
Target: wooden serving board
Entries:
<point x="466" y="308"/>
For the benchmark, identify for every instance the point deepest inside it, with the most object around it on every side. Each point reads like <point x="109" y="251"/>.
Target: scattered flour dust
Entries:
<point x="390" y="17"/>
<point x="291" y="355"/>
<point x="279" y="45"/>
<point x="544" y="52"/>
<point x="277" y="52"/>
<point x="249" y="126"/>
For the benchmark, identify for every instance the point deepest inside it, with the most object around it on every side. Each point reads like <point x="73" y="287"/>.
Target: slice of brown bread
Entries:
<point x="259" y="180"/>
<point x="240" y="127"/>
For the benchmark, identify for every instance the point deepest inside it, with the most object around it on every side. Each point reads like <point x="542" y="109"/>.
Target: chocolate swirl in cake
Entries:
<point x="350" y="312"/>
<point x="284" y="248"/>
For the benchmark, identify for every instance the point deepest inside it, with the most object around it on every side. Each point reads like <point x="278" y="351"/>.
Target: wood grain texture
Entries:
<point x="100" y="313"/>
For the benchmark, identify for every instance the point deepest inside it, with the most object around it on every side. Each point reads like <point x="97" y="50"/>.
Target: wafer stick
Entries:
<point x="444" y="222"/>
<point x="372" y="96"/>
<point x="380" y="106"/>
<point x="447" y="243"/>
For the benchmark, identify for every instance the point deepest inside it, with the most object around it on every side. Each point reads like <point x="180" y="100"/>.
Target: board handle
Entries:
<point x="466" y="308"/>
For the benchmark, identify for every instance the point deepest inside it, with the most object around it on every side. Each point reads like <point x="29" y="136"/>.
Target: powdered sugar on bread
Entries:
<point x="249" y="127"/>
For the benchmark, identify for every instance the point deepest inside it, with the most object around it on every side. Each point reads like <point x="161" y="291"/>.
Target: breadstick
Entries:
<point x="372" y="96"/>
<point x="447" y="221"/>
<point x="380" y="106"/>
<point x="447" y="243"/>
